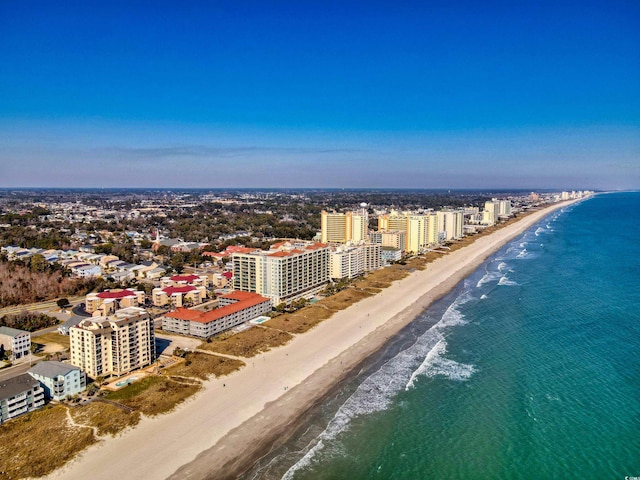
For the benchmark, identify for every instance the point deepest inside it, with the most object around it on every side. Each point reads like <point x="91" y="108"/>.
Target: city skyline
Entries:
<point x="416" y="95"/>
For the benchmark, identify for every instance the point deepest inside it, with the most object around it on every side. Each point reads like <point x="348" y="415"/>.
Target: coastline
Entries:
<point x="236" y="419"/>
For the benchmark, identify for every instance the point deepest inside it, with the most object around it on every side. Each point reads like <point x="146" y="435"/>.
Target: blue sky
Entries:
<point x="320" y="94"/>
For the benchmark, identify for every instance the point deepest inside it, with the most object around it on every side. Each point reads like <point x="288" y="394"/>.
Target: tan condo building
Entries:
<point x="113" y="345"/>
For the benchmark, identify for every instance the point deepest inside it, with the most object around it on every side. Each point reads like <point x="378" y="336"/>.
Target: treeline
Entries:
<point x="20" y="285"/>
<point x="29" y="321"/>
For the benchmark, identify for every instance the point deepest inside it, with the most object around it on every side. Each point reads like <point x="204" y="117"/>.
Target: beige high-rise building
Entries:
<point x="393" y="221"/>
<point x="395" y="239"/>
<point x="286" y="272"/>
<point x="344" y="227"/>
<point x="113" y="345"/>
<point x="420" y="229"/>
<point x="334" y="227"/>
<point x="491" y="212"/>
<point x="451" y="223"/>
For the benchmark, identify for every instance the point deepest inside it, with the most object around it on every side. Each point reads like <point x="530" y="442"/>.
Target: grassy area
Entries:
<point x="108" y="419"/>
<point x="52" y="338"/>
<point x="202" y="365"/>
<point x="154" y="395"/>
<point x="248" y="343"/>
<point x="37" y="443"/>
<point x="345" y="298"/>
<point x="300" y="321"/>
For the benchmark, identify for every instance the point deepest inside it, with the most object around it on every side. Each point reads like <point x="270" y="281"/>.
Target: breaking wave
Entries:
<point x="399" y="373"/>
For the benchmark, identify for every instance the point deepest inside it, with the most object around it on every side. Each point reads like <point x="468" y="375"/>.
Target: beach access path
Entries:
<point x="222" y="429"/>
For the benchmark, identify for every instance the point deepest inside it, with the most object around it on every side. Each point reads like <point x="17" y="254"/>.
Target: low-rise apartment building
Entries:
<point x="235" y="308"/>
<point x="18" y="341"/>
<point x="107" y="302"/>
<point x="177" y="296"/>
<point x="58" y="379"/>
<point x="115" y="344"/>
<point x="19" y="395"/>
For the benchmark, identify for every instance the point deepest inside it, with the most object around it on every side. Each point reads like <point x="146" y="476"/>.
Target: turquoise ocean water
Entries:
<point x="532" y="370"/>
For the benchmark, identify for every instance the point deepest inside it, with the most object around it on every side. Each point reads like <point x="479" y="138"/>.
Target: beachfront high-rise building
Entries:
<point x="491" y="212"/>
<point x="344" y="227"/>
<point x="349" y="261"/>
<point x="505" y="208"/>
<point x="346" y="261"/>
<point x="393" y="221"/>
<point x="113" y="345"/>
<point x="495" y="209"/>
<point x="451" y="223"/>
<point x="287" y="272"/>
<point x="394" y="239"/>
<point x="420" y="229"/>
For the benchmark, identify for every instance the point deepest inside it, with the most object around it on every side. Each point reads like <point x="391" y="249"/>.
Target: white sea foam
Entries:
<point x="436" y="364"/>
<point x="377" y="391"/>
<point x="538" y="231"/>
<point x="439" y="349"/>
<point x="522" y="254"/>
<point x="502" y="266"/>
<point x="488" y="277"/>
<point x="504" y="281"/>
<point x="483" y="296"/>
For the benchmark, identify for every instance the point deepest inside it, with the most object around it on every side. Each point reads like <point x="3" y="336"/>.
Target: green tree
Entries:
<point x="63" y="302"/>
<point x="177" y="262"/>
<point x="105" y="248"/>
<point x="38" y="263"/>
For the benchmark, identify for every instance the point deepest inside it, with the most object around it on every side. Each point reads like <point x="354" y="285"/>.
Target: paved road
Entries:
<point x="44" y="306"/>
<point x="17" y="369"/>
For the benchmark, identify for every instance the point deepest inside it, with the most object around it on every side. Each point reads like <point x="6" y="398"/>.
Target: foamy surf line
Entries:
<point x="399" y="373"/>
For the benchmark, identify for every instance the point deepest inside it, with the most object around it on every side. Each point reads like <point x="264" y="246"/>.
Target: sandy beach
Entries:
<point x="235" y="419"/>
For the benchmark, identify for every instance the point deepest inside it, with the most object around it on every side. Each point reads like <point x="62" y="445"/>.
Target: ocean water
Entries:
<point x="531" y="371"/>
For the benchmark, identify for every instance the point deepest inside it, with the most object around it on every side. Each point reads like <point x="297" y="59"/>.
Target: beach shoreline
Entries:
<point x="239" y="418"/>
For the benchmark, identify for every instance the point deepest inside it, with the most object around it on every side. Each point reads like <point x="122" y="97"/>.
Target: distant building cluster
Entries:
<point x="119" y="337"/>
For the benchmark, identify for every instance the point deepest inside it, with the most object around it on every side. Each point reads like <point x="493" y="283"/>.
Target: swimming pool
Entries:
<point x="123" y="383"/>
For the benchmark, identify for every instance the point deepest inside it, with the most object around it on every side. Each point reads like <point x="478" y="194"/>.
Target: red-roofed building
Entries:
<point x="235" y="308"/>
<point x="107" y="302"/>
<point x="180" y="280"/>
<point x="227" y="252"/>
<point x="178" y="295"/>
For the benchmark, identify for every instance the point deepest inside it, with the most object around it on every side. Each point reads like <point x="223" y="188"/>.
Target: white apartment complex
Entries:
<point x="287" y="272"/>
<point x="113" y="345"/>
<point x="451" y="223"/>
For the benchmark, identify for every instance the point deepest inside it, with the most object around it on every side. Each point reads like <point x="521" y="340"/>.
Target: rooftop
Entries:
<point x="12" y="332"/>
<point x="52" y="369"/>
<point x="15" y="385"/>
<point x="245" y="300"/>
